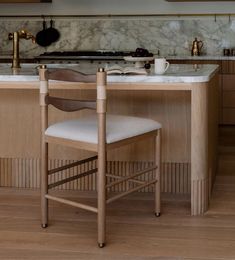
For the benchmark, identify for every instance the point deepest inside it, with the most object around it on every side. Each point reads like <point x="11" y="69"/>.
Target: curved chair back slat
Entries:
<point x="70" y="105"/>
<point x="69" y="75"/>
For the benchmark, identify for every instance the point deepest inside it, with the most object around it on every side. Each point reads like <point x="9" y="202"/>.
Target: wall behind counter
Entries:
<point x="167" y="34"/>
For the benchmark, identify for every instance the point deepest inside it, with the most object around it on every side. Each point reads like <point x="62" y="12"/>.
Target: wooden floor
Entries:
<point x="133" y="232"/>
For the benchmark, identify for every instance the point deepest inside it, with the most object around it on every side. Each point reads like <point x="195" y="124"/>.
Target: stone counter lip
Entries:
<point x="202" y="57"/>
<point x="177" y="73"/>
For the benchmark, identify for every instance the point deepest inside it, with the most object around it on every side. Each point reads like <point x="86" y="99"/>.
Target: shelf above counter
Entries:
<point x="24" y="1"/>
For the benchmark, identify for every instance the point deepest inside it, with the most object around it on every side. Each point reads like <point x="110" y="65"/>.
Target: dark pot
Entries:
<point x="42" y="38"/>
<point x="52" y="33"/>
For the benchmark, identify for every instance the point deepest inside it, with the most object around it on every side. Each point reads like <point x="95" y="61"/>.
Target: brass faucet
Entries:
<point x="16" y="36"/>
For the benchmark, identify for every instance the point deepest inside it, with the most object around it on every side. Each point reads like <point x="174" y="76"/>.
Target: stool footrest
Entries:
<point x="130" y="191"/>
<point x="70" y="165"/>
<point x="72" y="203"/>
<point x="120" y="177"/>
<point x="72" y="178"/>
<point x="131" y="176"/>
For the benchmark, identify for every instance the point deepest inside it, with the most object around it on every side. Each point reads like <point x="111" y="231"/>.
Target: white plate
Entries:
<point x="139" y="61"/>
<point x="130" y="58"/>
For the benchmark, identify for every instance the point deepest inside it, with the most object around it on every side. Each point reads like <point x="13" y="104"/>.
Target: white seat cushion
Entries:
<point x="117" y="128"/>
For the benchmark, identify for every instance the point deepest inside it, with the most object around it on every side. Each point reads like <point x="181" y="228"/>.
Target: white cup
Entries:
<point x="161" y="65"/>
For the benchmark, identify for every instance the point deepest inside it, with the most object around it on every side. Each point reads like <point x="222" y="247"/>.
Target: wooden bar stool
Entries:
<point x="98" y="133"/>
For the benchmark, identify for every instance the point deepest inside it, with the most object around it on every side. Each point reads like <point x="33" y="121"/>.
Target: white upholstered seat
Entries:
<point x="117" y="128"/>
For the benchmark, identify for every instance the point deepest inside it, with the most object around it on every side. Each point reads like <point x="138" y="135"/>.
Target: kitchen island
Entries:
<point x="184" y="100"/>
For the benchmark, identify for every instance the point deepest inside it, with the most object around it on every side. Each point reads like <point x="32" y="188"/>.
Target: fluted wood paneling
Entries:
<point x="25" y="173"/>
<point x="200" y="196"/>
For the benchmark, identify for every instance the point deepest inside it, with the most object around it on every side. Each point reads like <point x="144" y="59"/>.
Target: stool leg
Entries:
<point x="158" y="171"/>
<point x="44" y="184"/>
<point x="101" y="200"/>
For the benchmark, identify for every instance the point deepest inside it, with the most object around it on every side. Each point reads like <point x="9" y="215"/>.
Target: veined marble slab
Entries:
<point x="169" y="35"/>
<point x="177" y="73"/>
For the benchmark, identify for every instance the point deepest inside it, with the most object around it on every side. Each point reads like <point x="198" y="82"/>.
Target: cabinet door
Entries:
<point x="228" y="82"/>
<point x="228" y="67"/>
<point x="228" y="103"/>
<point x="228" y="116"/>
<point x="217" y="62"/>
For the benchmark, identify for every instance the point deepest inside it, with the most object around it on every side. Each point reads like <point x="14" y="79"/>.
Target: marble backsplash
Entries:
<point x="169" y="35"/>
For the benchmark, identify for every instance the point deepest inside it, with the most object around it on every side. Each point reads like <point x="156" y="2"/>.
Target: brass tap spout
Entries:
<point x="16" y="36"/>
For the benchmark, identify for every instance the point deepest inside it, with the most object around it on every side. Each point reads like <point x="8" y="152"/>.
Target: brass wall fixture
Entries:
<point x="15" y="37"/>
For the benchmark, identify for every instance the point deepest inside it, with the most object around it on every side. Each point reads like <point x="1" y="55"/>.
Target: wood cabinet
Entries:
<point x="228" y="92"/>
<point x="189" y="134"/>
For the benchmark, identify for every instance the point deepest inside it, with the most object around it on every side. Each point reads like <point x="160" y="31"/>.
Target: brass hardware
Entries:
<point x="196" y="47"/>
<point x="15" y="37"/>
<point x="43" y="66"/>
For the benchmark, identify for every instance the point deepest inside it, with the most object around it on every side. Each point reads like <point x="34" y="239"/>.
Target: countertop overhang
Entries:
<point x="201" y="57"/>
<point x="177" y="73"/>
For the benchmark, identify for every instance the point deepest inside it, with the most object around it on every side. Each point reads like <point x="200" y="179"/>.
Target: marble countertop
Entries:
<point x="177" y="73"/>
<point x="202" y="57"/>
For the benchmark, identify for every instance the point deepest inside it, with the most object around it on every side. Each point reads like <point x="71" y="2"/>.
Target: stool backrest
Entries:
<point x="69" y="75"/>
<point x="69" y="105"/>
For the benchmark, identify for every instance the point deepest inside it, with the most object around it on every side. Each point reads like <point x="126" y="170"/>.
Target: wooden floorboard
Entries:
<point x="133" y="232"/>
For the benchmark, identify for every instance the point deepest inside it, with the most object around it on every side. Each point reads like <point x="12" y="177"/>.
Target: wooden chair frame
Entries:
<point x="100" y="106"/>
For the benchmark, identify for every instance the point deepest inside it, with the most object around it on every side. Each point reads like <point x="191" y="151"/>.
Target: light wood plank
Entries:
<point x="133" y="233"/>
